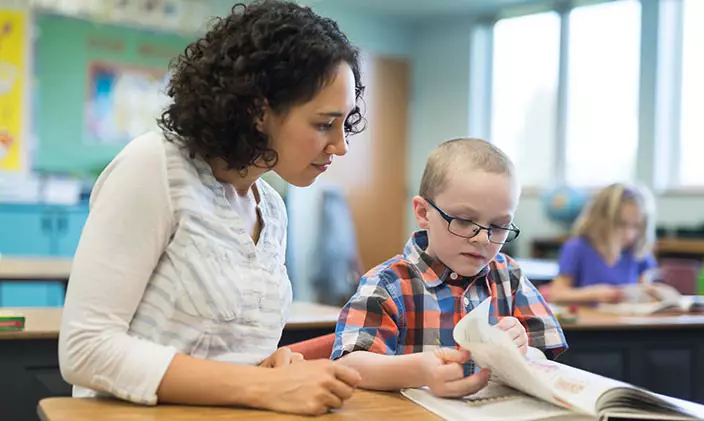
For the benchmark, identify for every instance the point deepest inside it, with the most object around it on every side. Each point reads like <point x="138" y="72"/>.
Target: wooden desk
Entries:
<point x="44" y="323"/>
<point x="663" y="353"/>
<point x="34" y="269"/>
<point x="308" y="320"/>
<point x="590" y="319"/>
<point x="539" y="271"/>
<point x="312" y="316"/>
<point x="693" y="248"/>
<point x="29" y="363"/>
<point x="40" y="323"/>
<point x="369" y="406"/>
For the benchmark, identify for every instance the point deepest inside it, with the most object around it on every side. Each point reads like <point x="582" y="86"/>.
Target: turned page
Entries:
<point x="492" y="348"/>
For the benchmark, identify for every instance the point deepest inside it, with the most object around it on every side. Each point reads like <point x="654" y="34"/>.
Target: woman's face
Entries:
<point x="307" y="136"/>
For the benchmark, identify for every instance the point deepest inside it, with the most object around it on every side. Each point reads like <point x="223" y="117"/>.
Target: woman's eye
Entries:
<point x="324" y="127"/>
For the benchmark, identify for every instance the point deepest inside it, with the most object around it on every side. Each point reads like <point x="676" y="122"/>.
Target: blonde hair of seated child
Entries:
<point x="601" y="218"/>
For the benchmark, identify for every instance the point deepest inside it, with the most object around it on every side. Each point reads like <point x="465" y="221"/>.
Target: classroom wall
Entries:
<point x="374" y="33"/>
<point x="440" y="91"/>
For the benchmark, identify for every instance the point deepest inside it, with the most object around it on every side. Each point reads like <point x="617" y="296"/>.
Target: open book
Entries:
<point x="524" y="389"/>
<point x="644" y="299"/>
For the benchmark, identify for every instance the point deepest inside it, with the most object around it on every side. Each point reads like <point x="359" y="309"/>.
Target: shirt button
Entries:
<point x="466" y="301"/>
<point x="453" y="276"/>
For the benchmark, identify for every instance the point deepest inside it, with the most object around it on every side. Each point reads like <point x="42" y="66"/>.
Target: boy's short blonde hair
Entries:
<point x="599" y="219"/>
<point x="461" y="154"/>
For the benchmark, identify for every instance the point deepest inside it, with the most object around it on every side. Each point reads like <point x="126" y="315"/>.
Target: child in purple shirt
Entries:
<point x="611" y="247"/>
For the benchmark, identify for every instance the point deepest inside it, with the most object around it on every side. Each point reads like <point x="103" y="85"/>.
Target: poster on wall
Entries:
<point x="123" y="101"/>
<point x="13" y="68"/>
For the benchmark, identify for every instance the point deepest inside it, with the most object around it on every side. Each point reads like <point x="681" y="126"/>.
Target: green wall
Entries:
<point x="64" y="49"/>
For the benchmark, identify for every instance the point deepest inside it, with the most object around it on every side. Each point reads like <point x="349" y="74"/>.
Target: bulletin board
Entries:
<point x="123" y="101"/>
<point x="82" y="72"/>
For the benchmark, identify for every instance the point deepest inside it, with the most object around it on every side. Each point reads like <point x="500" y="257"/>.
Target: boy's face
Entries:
<point x="488" y="199"/>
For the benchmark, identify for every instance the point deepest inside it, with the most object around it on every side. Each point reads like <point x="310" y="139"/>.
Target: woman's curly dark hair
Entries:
<point x="270" y="51"/>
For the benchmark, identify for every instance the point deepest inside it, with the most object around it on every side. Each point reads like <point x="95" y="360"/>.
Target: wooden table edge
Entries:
<point x="40" y="410"/>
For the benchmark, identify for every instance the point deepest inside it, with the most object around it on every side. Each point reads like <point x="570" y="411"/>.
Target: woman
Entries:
<point x="178" y="291"/>
<point x="612" y="247"/>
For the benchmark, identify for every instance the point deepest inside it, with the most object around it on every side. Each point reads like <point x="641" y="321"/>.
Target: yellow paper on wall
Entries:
<point x="13" y="70"/>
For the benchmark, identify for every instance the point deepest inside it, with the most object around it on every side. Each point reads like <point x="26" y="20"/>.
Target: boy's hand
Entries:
<point x="444" y="374"/>
<point x="516" y="331"/>
<point x="281" y="357"/>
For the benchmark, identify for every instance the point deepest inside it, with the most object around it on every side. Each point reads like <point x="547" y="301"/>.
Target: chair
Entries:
<point x="680" y="274"/>
<point x="315" y="348"/>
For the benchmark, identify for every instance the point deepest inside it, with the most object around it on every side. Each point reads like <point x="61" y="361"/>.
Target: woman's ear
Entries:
<point x="420" y="210"/>
<point x="263" y="121"/>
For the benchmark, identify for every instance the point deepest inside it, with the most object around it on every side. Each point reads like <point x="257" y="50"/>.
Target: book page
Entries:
<point x="644" y="299"/>
<point x="590" y="392"/>
<point x="642" y="404"/>
<point x="517" y="407"/>
<point x="491" y="348"/>
<point x="581" y="388"/>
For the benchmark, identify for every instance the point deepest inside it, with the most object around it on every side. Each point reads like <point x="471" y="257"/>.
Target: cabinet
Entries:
<point x="666" y="360"/>
<point x="38" y="231"/>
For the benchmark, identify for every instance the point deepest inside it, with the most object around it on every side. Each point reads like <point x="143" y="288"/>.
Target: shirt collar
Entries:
<point x="434" y="272"/>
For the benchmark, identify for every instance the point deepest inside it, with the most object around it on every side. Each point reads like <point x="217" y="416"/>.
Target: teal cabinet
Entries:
<point x="69" y="227"/>
<point x="38" y="231"/>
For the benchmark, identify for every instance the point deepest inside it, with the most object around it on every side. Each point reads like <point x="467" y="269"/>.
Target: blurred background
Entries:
<point x="579" y="93"/>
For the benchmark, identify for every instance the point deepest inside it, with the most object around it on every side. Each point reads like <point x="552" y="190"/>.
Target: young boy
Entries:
<point x="397" y="328"/>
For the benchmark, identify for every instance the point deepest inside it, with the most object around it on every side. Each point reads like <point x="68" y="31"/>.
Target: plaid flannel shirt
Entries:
<point x="412" y="302"/>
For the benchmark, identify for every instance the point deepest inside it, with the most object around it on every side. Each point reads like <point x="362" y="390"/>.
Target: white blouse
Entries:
<point x="165" y="265"/>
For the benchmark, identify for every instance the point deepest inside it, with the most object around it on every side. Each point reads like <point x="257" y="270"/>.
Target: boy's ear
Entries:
<point x="420" y="210"/>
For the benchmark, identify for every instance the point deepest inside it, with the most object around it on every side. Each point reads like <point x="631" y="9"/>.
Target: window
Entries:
<point x="602" y="93"/>
<point x="691" y="170"/>
<point x="524" y="91"/>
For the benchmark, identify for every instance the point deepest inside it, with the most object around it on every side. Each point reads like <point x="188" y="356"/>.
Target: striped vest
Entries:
<point x="215" y="294"/>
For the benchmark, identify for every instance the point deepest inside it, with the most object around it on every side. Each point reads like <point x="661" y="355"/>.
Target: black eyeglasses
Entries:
<point x="469" y="229"/>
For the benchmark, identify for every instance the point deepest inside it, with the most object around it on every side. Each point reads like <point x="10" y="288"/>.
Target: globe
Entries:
<point x="563" y="204"/>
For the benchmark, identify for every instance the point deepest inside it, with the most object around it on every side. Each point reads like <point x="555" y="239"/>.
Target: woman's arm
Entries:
<point x="128" y="227"/>
<point x="309" y="387"/>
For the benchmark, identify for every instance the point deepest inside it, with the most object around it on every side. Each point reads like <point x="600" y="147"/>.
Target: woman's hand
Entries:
<point x="281" y="357"/>
<point x="306" y="388"/>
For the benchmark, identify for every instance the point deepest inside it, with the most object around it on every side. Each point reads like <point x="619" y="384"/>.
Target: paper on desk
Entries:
<point x="515" y="408"/>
